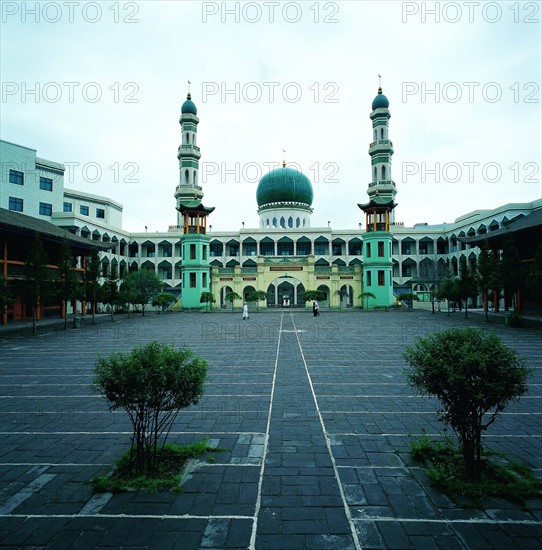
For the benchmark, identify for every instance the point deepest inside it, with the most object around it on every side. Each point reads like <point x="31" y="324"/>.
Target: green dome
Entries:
<point x="284" y="185"/>
<point x="380" y="101"/>
<point x="189" y="107"/>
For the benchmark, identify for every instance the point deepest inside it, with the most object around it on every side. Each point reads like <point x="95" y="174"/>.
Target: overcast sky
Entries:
<point x="463" y="81"/>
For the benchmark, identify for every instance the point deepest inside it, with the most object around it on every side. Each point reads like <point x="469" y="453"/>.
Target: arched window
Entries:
<point x="186" y="138"/>
<point x="383" y="172"/>
<point x="303" y="222"/>
<point x="376" y="134"/>
<point x="381" y="133"/>
<point x="186" y="177"/>
<point x="282" y="222"/>
<point x="195" y="182"/>
<point x="374" y="174"/>
<point x="274" y="222"/>
<point x="290" y="222"/>
<point x="297" y="222"/>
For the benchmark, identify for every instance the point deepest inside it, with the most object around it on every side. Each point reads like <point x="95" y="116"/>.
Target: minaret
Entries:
<point x="195" y="270"/>
<point x="188" y="154"/>
<point x="377" y="239"/>
<point x="381" y="151"/>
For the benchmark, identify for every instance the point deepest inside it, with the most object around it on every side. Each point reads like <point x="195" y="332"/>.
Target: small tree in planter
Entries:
<point x="232" y="297"/>
<point x="474" y="375"/>
<point x="409" y="298"/>
<point x="162" y="299"/>
<point x="257" y="296"/>
<point x="207" y="298"/>
<point x="152" y="384"/>
<point x="365" y="296"/>
<point x="317" y="295"/>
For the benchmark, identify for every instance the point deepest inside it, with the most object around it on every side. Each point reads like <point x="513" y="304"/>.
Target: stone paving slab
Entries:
<point x="314" y="417"/>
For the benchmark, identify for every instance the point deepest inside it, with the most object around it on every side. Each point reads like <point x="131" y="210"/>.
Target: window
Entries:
<point x="192" y="251"/>
<point x="46" y="184"/>
<point x="83" y="210"/>
<point x="192" y="280"/>
<point x="204" y="280"/>
<point x="380" y="249"/>
<point x="15" y="204"/>
<point x="46" y="209"/>
<point x="100" y="213"/>
<point x="381" y="278"/>
<point x="368" y="248"/>
<point x="369" y="278"/>
<point x="16" y="177"/>
<point x="67" y="207"/>
<point x="204" y="252"/>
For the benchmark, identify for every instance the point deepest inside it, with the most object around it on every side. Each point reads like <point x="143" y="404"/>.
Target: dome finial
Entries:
<point x="189" y="95"/>
<point x="284" y="161"/>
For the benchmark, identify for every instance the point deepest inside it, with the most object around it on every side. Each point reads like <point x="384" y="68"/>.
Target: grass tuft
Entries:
<point x="167" y="476"/>
<point x="445" y="468"/>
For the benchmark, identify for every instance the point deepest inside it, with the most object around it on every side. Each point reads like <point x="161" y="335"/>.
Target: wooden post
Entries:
<point x="5" y="274"/>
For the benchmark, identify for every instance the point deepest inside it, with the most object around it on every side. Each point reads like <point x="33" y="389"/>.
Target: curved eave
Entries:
<point x="194" y="206"/>
<point x="378" y="202"/>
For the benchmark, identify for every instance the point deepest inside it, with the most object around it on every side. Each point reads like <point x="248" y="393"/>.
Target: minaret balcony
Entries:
<point x="385" y="145"/>
<point x="188" y="191"/>
<point x="384" y="185"/>
<point x="188" y="150"/>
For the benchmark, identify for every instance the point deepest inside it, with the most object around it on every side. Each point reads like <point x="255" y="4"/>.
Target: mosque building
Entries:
<point x="285" y="255"/>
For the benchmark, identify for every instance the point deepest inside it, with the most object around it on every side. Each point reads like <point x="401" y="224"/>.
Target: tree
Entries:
<point x="534" y="279"/>
<point x="38" y="285"/>
<point x="433" y="272"/>
<point x="474" y="375"/>
<point x="341" y="293"/>
<point x="93" y="273"/>
<point x="317" y="295"/>
<point x="110" y="292"/>
<point x="207" y="298"/>
<point x="127" y="293"/>
<point x="448" y="290"/>
<point x="69" y="285"/>
<point x="257" y="296"/>
<point x="6" y="295"/>
<point x="487" y="276"/>
<point x="151" y="383"/>
<point x="512" y="272"/>
<point x="365" y="296"/>
<point x="409" y="297"/>
<point x="467" y="284"/>
<point x="232" y="296"/>
<point x="162" y="299"/>
<point x="142" y="286"/>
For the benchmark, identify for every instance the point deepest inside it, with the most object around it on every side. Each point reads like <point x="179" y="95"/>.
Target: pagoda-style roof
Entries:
<point x="378" y="202"/>
<point x="195" y="205"/>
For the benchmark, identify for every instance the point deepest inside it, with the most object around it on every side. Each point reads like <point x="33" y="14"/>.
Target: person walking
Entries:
<point x="315" y="308"/>
<point x="245" y="311"/>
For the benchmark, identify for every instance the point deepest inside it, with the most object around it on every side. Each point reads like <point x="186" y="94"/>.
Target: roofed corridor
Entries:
<point x="315" y="419"/>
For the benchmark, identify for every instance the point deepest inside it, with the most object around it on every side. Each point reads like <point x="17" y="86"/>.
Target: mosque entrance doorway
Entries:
<point x="285" y="292"/>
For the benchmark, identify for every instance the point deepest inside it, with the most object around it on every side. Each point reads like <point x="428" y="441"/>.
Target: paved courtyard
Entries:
<point x="315" y="419"/>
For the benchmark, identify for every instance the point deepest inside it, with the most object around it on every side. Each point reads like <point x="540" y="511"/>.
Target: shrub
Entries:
<point x="151" y="383"/>
<point x="474" y="375"/>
